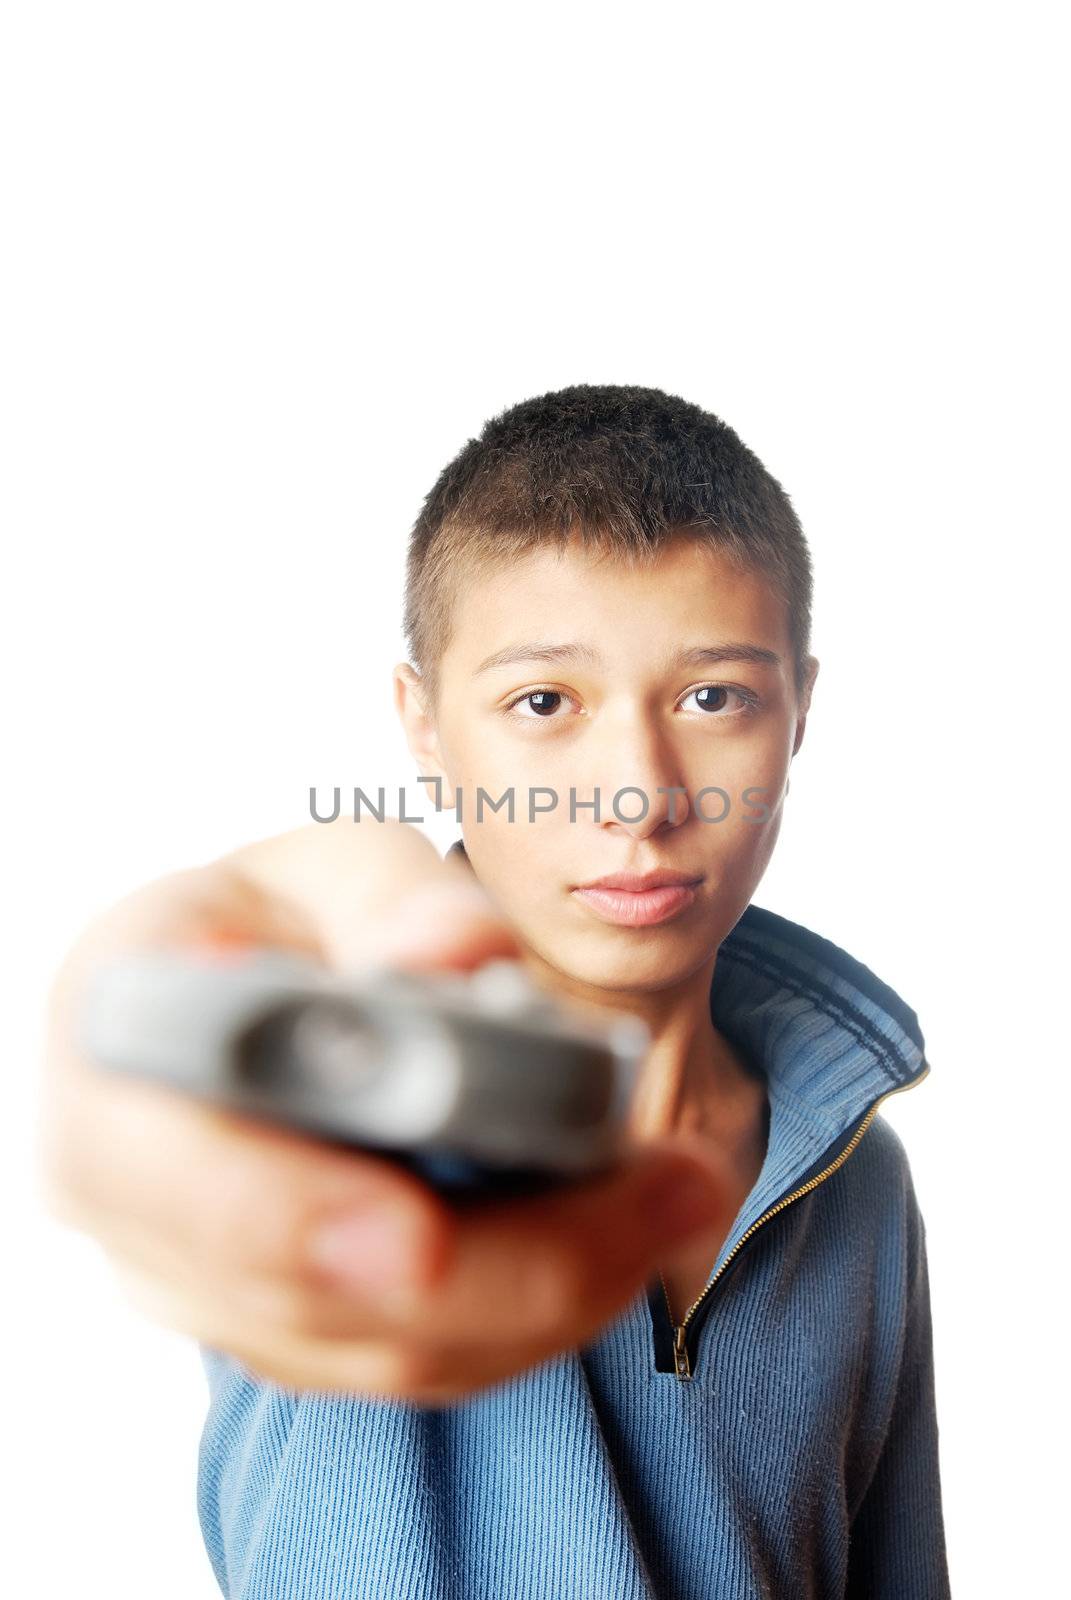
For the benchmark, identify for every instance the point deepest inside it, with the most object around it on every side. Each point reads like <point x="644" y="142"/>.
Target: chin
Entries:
<point x="638" y="971"/>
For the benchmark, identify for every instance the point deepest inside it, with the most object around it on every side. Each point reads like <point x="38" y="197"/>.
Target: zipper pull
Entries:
<point x="680" y="1353"/>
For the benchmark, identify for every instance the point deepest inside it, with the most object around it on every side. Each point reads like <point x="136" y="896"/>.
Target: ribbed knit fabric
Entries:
<point x="800" y="1459"/>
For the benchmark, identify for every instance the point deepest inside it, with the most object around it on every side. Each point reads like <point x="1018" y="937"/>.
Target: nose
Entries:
<point x="639" y="779"/>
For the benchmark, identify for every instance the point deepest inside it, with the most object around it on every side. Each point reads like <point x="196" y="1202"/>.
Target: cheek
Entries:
<point x="506" y="770"/>
<point x="739" y="850"/>
<point x="753" y="842"/>
<point x="518" y="862"/>
<point x="751" y="772"/>
<point x="735" y="825"/>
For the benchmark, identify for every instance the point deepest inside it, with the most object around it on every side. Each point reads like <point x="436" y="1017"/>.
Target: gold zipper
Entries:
<point x="681" y="1362"/>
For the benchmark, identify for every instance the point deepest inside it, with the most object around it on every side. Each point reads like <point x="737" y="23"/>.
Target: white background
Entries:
<point x="266" y="270"/>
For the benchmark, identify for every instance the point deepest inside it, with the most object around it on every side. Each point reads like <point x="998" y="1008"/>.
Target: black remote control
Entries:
<point x="477" y="1082"/>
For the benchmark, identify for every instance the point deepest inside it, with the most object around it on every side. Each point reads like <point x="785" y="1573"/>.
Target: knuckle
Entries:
<point x="308" y="1317"/>
<point x="277" y="1305"/>
<point x="353" y="1364"/>
<point x="250" y="1214"/>
<point x="303" y="1313"/>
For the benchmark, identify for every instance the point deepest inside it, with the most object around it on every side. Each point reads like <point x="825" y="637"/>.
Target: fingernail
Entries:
<point x="376" y="1252"/>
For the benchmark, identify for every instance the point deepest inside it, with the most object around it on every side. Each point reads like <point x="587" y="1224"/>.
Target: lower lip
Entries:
<point x="638" y="909"/>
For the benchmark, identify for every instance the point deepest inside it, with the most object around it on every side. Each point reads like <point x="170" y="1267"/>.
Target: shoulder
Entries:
<point x="878" y="1185"/>
<point x="883" y="1155"/>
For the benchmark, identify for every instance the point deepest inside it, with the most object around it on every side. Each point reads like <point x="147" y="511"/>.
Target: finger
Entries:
<point x="449" y="923"/>
<point x="218" y="1196"/>
<point x="373" y="1368"/>
<point x="347" y="879"/>
<point x="281" y="1356"/>
<point x="555" y="1267"/>
<point x="549" y="1270"/>
<point x="228" y="1196"/>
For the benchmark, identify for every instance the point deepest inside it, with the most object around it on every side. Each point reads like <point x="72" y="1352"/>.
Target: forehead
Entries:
<point x="688" y="592"/>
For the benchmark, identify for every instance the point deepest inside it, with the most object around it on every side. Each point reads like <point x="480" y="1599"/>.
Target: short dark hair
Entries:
<point x="622" y="467"/>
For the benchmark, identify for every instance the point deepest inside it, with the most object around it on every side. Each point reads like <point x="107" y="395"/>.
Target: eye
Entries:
<point x="715" y="704"/>
<point x="543" y="703"/>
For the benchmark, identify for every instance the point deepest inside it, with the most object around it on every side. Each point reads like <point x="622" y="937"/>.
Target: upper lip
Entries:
<point x="639" y="881"/>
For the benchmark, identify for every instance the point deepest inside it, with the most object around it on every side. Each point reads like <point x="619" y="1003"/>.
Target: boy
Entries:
<point x="608" y="617"/>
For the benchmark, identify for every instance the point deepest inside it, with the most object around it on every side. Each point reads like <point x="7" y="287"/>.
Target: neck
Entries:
<point x="692" y="1080"/>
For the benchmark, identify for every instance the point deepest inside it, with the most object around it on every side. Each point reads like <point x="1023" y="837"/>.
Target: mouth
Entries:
<point x="639" y="900"/>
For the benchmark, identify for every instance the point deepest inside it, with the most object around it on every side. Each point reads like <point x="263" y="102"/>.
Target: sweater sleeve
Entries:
<point x="897" y="1541"/>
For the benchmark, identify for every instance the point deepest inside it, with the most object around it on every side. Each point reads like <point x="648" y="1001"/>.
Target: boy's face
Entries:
<point x="623" y="711"/>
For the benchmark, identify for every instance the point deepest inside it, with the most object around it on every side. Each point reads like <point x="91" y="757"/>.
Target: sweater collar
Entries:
<point x="831" y="1039"/>
<point x="829" y="1036"/>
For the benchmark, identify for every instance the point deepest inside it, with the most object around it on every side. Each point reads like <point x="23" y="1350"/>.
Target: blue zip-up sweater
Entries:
<point x="799" y="1459"/>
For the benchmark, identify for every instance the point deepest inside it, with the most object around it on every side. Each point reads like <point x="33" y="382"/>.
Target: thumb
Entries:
<point x="449" y="923"/>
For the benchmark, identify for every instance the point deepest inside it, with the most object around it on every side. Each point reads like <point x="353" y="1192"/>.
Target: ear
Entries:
<point x="811" y="666"/>
<point x="421" y="734"/>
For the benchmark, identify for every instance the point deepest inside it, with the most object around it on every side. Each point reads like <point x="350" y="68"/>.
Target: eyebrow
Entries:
<point x="700" y="656"/>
